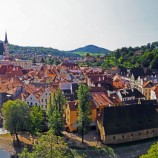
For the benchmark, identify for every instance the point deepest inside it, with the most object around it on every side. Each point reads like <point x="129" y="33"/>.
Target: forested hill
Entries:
<point x="146" y="56"/>
<point x="92" y="49"/>
<point x="43" y="50"/>
<point x="38" y="50"/>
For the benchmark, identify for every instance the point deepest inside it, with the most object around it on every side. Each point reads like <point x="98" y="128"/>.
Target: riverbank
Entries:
<point x="6" y="143"/>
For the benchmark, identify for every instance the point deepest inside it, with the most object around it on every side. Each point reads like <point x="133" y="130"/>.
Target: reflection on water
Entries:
<point x="4" y="154"/>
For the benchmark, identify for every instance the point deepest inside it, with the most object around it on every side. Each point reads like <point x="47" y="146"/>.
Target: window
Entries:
<point x="114" y="137"/>
<point x="132" y="135"/>
<point x="153" y="131"/>
<point x="31" y="103"/>
<point x="46" y="93"/>
<point x="139" y="133"/>
<point x="122" y="136"/>
<point x="31" y="98"/>
<point x="46" y="100"/>
<point x="147" y="132"/>
<point x="35" y="103"/>
<point x="42" y="100"/>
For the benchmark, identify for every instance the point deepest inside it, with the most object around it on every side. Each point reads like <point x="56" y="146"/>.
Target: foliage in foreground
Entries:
<point x="152" y="152"/>
<point x="83" y="109"/>
<point x="48" y="146"/>
<point x="15" y="114"/>
<point x="55" y="112"/>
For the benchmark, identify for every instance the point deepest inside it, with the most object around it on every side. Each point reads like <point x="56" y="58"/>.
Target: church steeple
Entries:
<point x="6" y="39"/>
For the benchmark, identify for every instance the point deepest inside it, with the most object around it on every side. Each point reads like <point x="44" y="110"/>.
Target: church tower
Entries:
<point x="6" y="46"/>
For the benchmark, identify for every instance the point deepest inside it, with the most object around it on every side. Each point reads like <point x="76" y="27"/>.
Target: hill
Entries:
<point x="38" y="50"/>
<point x="143" y="56"/>
<point x="92" y="49"/>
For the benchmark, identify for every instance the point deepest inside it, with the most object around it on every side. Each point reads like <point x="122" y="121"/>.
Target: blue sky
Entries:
<point x="69" y="24"/>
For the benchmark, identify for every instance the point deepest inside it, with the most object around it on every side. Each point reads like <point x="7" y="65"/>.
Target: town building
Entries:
<point x="71" y="115"/>
<point x="25" y="64"/>
<point x="122" y="124"/>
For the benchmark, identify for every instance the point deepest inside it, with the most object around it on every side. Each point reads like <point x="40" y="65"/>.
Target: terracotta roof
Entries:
<point x="101" y="99"/>
<point x="29" y="88"/>
<point x="148" y="84"/>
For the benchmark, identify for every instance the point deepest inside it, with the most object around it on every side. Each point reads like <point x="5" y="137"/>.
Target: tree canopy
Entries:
<point x="16" y="114"/>
<point x="36" y="120"/>
<point x="48" y="146"/>
<point x="55" y="112"/>
<point x="83" y="109"/>
<point x="152" y="152"/>
<point x="145" y="56"/>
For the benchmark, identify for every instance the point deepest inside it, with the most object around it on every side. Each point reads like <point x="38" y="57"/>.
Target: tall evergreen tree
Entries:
<point x="42" y="60"/>
<point x="36" y="120"/>
<point x="34" y="60"/>
<point x="56" y="111"/>
<point x="83" y="109"/>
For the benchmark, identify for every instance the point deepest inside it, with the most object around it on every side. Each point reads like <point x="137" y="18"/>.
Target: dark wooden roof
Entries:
<point x="123" y="119"/>
<point x="131" y="93"/>
<point x="139" y="71"/>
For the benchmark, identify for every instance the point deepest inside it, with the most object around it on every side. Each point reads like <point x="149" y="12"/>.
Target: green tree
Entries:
<point x="16" y="114"/>
<point x="87" y="54"/>
<point x="34" y="60"/>
<point x="56" y="111"/>
<point x="152" y="152"/>
<point x="57" y="62"/>
<point x="48" y="146"/>
<point x="36" y="120"/>
<point x="83" y="109"/>
<point x="42" y="60"/>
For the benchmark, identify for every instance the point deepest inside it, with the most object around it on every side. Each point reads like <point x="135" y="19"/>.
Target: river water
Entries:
<point x="3" y="154"/>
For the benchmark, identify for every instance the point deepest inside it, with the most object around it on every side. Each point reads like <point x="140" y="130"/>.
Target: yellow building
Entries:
<point x="71" y="114"/>
<point x="147" y="89"/>
<point x="26" y="64"/>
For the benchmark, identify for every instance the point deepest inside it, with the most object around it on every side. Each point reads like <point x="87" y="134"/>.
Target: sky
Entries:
<point x="69" y="24"/>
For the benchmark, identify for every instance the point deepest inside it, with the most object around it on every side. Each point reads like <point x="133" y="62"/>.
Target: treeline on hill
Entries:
<point x="40" y="51"/>
<point x="144" y="56"/>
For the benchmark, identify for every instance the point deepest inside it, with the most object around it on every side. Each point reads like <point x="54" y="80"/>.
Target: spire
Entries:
<point x="6" y="40"/>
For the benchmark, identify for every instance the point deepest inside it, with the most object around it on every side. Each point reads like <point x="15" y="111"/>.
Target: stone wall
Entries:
<point x="131" y="136"/>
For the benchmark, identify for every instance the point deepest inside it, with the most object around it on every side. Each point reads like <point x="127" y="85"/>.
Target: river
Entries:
<point x="4" y="154"/>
